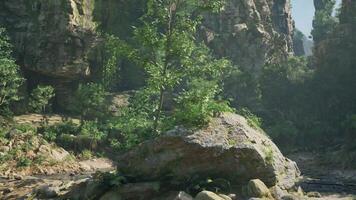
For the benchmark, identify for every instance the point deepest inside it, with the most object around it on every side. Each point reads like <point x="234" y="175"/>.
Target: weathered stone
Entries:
<point x="137" y="191"/>
<point x="47" y="191"/>
<point x="291" y="197"/>
<point x="228" y="148"/>
<point x="52" y="40"/>
<point x="314" y="194"/>
<point x="207" y="195"/>
<point x="90" y="189"/>
<point x="225" y="197"/>
<point x="256" y="188"/>
<point x="249" y="31"/>
<point x="277" y="192"/>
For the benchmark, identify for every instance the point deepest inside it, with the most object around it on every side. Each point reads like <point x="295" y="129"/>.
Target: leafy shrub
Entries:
<point x="23" y="162"/>
<point x="40" y="98"/>
<point x="251" y="118"/>
<point x="51" y="133"/>
<point x="86" y="154"/>
<point x="91" y="130"/>
<point x="197" y="104"/>
<point x="131" y="128"/>
<point x="90" y="101"/>
<point x="25" y="128"/>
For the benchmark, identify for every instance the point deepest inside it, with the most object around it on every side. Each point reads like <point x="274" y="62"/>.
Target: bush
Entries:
<point x="40" y="98"/>
<point x="198" y="104"/>
<point x="24" y="162"/>
<point x="251" y="118"/>
<point x="51" y="133"/>
<point x="130" y="129"/>
<point x="90" y="102"/>
<point x="90" y="129"/>
<point x="86" y="154"/>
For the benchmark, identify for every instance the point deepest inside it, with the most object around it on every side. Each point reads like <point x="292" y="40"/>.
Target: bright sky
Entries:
<point x="303" y="14"/>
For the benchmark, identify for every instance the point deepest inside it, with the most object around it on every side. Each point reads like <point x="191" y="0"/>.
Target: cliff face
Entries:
<point x="251" y="32"/>
<point x="53" y="39"/>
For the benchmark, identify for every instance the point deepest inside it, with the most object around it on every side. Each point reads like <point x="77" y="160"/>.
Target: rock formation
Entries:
<point x="236" y="158"/>
<point x="251" y="32"/>
<point x="229" y="149"/>
<point x="52" y="39"/>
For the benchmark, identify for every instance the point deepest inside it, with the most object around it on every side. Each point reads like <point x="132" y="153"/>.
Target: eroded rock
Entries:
<point x="228" y="148"/>
<point x="207" y="195"/>
<point x="256" y="188"/>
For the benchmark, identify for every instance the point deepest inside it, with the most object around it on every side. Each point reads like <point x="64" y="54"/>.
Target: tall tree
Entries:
<point x="169" y="51"/>
<point x="324" y="21"/>
<point x="10" y="78"/>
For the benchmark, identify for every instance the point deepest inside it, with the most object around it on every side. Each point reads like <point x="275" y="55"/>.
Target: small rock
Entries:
<point x="277" y="192"/>
<point x="290" y="197"/>
<point x="314" y="194"/>
<point x="206" y="195"/>
<point x="47" y="191"/>
<point x="4" y="149"/>
<point x="18" y="177"/>
<point x="256" y="188"/>
<point x="49" y="172"/>
<point x="183" y="196"/>
<point x="225" y="197"/>
<point x="232" y="196"/>
<point x="7" y="190"/>
<point x="300" y="191"/>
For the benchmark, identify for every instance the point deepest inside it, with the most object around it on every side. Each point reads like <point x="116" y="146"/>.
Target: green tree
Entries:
<point x="40" y="98"/>
<point x="169" y="52"/>
<point x="324" y="22"/>
<point x="90" y="101"/>
<point x="10" y="78"/>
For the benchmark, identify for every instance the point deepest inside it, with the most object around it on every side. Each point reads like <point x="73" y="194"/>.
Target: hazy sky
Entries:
<point x="303" y="13"/>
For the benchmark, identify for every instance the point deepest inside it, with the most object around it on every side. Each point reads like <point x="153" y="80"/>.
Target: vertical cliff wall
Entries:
<point x="52" y="39"/>
<point x="251" y="32"/>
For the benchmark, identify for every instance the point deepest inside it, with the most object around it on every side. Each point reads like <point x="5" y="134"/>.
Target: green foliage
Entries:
<point x="24" y="162"/>
<point x="90" y="101"/>
<point x="90" y="130"/>
<point x="166" y="47"/>
<point x="86" y="154"/>
<point x="252" y="119"/>
<point x="51" y="133"/>
<point x="133" y="125"/>
<point x="269" y="155"/>
<point x="10" y="78"/>
<point x="243" y="88"/>
<point x="115" y="51"/>
<point x="198" y="104"/>
<point x="40" y="98"/>
<point x="324" y="21"/>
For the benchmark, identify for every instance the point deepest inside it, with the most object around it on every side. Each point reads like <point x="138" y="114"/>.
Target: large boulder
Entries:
<point x="229" y="148"/>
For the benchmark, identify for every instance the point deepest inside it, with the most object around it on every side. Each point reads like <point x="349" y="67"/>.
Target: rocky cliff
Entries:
<point x="53" y="39"/>
<point x="251" y="32"/>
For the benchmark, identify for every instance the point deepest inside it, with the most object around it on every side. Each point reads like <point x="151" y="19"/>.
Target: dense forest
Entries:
<point x="179" y="93"/>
